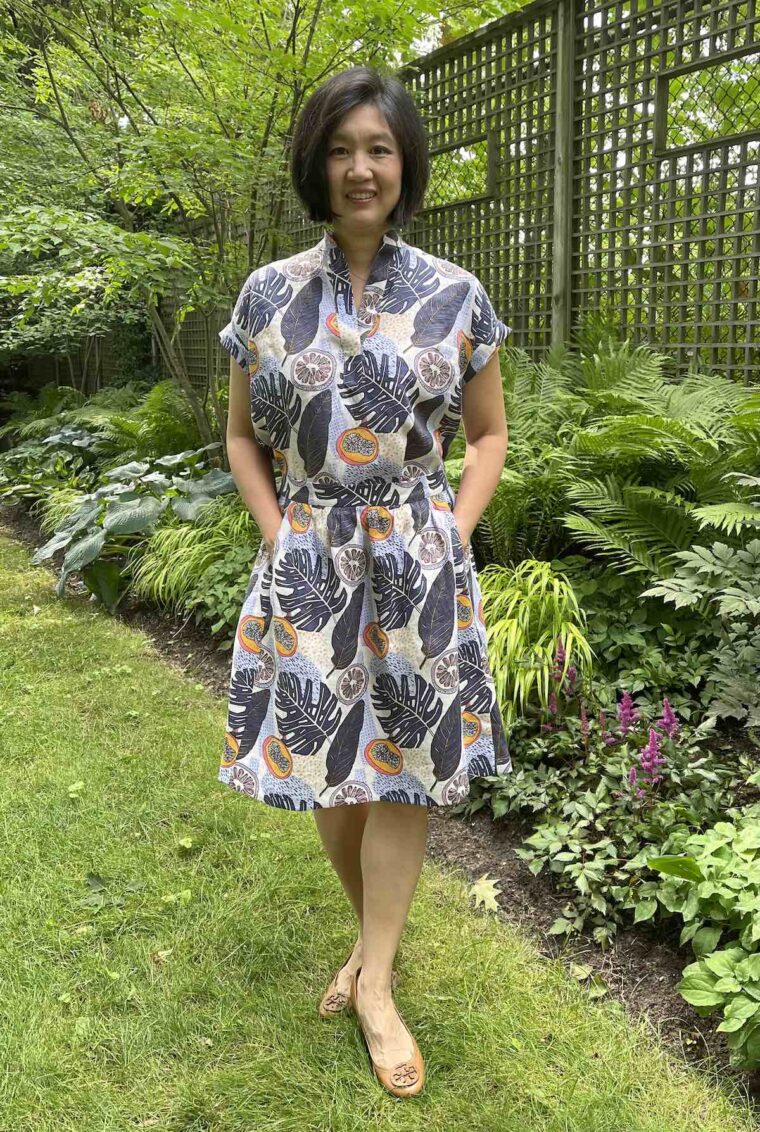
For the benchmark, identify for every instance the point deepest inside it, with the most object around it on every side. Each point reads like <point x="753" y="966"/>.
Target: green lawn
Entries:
<point x="150" y="985"/>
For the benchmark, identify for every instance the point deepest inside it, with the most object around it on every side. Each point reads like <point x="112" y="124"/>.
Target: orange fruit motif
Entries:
<point x="285" y="636"/>
<point x="375" y="638"/>
<point x="331" y="322"/>
<point x="439" y="503"/>
<point x="253" y="365"/>
<point x="299" y="516"/>
<point x="384" y="755"/>
<point x="480" y="612"/>
<point x="357" y="445"/>
<point x="464" y="611"/>
<point x="231" y="748"/>
<point x="470" y="727"/>
<point x="377" y="522"/>
<point x="277" y="757"/>
<point x="464" y="349"/>
<point x="250" y="631"/>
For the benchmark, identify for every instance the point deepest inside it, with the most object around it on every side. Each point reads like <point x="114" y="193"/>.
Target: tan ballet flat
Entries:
<point x="335" y="1001"/>
<point x="405" y="1078"/>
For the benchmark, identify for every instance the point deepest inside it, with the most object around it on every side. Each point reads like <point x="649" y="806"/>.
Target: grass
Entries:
<point x="148" y="983"/>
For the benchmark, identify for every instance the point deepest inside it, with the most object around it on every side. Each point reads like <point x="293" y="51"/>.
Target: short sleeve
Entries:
<point x="485" y="330"/>
<point x="235" y="335"/>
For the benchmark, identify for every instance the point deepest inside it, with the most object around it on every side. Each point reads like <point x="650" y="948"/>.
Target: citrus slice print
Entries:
<point x="357" y="446"/>
<point x="313" y="369"/>
<point x="352" y="683"/>
<point x="351" y="563"/>
<point x="444" y="671"/>
<point x="432" y="549"/>
<point x="434" y="371"/>
<point x="277" y="757"/>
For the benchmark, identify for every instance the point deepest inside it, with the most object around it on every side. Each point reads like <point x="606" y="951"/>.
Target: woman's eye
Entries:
<point x="381" y="148"/>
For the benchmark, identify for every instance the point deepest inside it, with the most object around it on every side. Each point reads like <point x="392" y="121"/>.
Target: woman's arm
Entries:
<point x="250" y="464"/>
<point x="485" y="429"/>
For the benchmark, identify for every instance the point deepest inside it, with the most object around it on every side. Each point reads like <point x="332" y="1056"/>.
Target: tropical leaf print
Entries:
<point x="419" y="439"/>
<point x="375" y="490"/>
<point x="305" y="726"/>
<point x="434" y="320"/>
<point x="438" y="614"/>
<point x="473" y="684"/>
<point x="314" y="431"/>
<point x="483" y="318"/>
<point x="413" y="280"/>
<point x="300" y="322"/>
<point x="345" y="637"/>
<point x="378" y="390"/>
<point x="268" y="293"/>
<point x="309" y="589"/>
<point x="275" y="406"/>
<point x="344" y="748"/>
<point x="446" y="748"/>
<point x="408" y="707"/>
<point x="420" y="508"/>
<point x="247" y="709"/>
<point x="398" y="587"/>
<point x="341" y="525"/>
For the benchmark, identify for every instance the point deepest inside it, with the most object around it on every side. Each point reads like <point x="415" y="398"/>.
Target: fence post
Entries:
<point x="561" y="255"/>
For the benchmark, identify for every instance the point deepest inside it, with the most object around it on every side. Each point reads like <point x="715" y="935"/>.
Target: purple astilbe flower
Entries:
<point x="570" y="678"/>
<point x="632" y="779"/>
<point x="650" y="758"/>
<point x="553" y="703"/>
<point x="559" y="660"/>
<point x="668" y="721"/>
<point x="627" y="714"/>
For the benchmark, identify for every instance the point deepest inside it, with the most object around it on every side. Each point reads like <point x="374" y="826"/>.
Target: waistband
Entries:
<point x="323" y="490"/>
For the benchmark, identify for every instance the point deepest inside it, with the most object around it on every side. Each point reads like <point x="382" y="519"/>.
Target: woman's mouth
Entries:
<point x="361" y="196"/>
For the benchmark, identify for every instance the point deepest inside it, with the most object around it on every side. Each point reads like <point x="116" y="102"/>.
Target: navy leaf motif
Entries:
<point x="248" y="707"/>
<point x="305" y="726"/>
<point x="341" y="524"/>
<point x="300" y="323"/>
<point x="435" y="319"/>
<point x="269" y="292"/>
<point x="483" y="330"/>
<point x="446" y="748"/>
<point x="343" y="750"/>
<point x="472" y="678"/>
<point x="398" y="589"/>
<point x="307" y="598"/>
<point x="437" y="616"/>
<point x="373" y="491"/>
<point x="313" y="432"/>
<point x="379" y="392"/>
<point x="285" y="802"/>
<point x="419" y="439"/>
<point x="275" y="404"/>
<point x="420" y="512"/>
<point x="501" y="746"/>
<point x="407" y="713"/>
<point x="413" y="281"/>
<point x="345" y="637"/>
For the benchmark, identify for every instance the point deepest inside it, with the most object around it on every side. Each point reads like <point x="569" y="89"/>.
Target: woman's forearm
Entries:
<point x="483" y="464"/>
<point x="252" y="471"/>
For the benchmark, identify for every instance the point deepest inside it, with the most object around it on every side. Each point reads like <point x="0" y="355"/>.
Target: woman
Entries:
<point x="360" y="687"/>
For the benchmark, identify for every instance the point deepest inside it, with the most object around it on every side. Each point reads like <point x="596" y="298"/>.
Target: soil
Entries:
<point x="643" y="964"/>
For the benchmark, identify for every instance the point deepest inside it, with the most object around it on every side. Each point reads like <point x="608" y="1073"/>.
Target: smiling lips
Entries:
<point x="361" y="196"/>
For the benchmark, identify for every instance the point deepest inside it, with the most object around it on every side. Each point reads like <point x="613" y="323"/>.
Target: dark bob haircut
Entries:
<point x="322" y="113"/>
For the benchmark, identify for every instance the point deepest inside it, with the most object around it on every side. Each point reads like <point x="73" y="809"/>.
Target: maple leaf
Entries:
<point x="485" y="892"/>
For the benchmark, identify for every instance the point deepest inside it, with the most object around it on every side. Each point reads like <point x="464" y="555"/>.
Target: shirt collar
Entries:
<point x="335" y="265"/>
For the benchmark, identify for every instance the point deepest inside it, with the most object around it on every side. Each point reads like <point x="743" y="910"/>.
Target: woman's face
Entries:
<point x="362" y="155"/>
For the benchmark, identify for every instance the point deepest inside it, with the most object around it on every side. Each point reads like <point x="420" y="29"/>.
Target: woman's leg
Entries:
<point x="341" y="829"/>
<point x="392" y="853"/>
